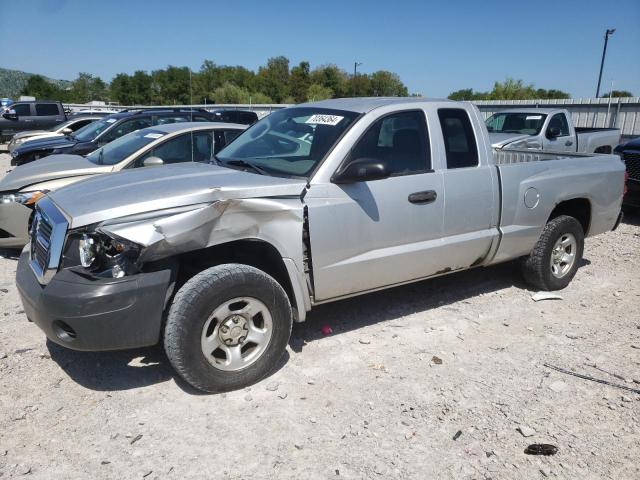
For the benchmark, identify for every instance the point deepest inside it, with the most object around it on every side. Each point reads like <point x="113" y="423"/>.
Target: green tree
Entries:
<point x="86" y="88"/>
<point x="40" y="88"/>
<point x="387" y="84"/>
<point x="273" y="80"/>
<point x="300" y="82"/>
<point x="230" y="93"/>
<point x="332" y="77"/>
<point x="318" y="92"/>
<point x="618" y="94"/>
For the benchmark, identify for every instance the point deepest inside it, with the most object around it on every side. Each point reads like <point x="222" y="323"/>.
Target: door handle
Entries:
<point x="420" y="198"/>
<point x="568" y="143"/>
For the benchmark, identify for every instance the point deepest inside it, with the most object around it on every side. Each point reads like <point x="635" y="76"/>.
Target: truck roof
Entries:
<point x="366" y="104"/>
<point x="546" y="111"/>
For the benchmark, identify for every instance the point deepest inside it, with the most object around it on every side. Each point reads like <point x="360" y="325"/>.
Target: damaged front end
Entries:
<point x="121" y="247"/>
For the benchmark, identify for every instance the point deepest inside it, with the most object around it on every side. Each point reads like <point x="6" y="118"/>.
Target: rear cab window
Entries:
<point x="47" y="109"/>
<point x="459" y="140"/>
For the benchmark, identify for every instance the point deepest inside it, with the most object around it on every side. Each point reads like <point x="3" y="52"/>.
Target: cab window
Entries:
<point x="181" y="149"/>
<point x="459" y="140"/>
<point x="400" y="141"/>
<point x="22" y="109"/>
<point x="559" y="121"/>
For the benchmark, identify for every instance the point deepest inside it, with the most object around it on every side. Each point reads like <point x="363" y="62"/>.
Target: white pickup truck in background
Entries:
<point x="548" y="129"/>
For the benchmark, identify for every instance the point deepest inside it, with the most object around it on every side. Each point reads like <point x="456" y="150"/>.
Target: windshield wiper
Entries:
<point x="244" y="163"/>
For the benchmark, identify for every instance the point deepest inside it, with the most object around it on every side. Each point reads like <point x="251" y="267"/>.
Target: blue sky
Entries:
<point x="435" y="47"/>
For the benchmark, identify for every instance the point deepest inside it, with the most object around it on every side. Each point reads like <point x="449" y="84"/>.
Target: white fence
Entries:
<point x="623" y="113"/>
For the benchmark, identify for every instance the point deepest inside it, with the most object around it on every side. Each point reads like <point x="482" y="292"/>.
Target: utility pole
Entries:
<point x="604" y="53"/>
<point x="355" y="72"/>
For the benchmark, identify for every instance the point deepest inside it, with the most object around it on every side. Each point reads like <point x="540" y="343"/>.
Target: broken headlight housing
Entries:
<point x="102" y="255"/>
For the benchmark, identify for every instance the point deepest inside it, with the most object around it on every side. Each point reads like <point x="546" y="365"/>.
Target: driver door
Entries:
<point x="370" y="234"/>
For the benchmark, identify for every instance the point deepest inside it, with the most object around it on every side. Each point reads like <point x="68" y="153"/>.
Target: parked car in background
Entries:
<point x="163" y="144"/>
<point x="99" y="111"/>
<point x="5" y="102"/>
<point x="548" y="129"/>
<point x="65" y="128"/>
<point x="219" y="260"/>
<point x="31" y="115"/>
<point x="103" y="131"/>
<point x="245" y="117"/>
<point x="630" y="154"/>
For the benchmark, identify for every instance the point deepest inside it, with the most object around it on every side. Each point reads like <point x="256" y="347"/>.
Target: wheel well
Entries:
<point x="578" y="208"/>
<point x="603" y="149"/>
<point x="255" y="253"/>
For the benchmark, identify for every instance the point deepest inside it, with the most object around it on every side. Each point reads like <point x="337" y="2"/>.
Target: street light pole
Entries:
<point x="355" y="72"/>
<point x="604" y="52"/>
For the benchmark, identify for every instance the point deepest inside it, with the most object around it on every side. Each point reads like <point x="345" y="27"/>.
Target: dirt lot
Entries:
<point x="370" y="400"/>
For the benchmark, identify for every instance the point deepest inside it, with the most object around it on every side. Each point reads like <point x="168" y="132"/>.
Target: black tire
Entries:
<point x="536" y="267"/>
<point x="192" y="306"/>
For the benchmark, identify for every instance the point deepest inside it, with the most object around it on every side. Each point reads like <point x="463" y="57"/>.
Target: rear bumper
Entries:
<point x="14" y="225"/>
<point x="95" y="314"/>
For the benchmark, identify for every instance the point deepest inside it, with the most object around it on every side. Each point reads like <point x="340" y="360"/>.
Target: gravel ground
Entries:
<point x="439" y="379"/>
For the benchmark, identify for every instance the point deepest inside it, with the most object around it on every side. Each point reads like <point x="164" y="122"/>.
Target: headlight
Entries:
<point x="105" y="256"/>
<point x="25" y="198"/>
<point x="17" y="141"/>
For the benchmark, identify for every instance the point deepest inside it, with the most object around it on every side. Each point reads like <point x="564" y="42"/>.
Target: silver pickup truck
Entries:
<point x="312" y="204"/>
<point x="549" y="129"/>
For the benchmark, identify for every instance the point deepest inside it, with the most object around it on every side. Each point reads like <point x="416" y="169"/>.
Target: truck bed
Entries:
<point x="506" y="157"/>
<point x="546" y="179"/>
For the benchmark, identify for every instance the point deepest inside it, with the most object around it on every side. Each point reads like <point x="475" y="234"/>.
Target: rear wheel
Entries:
<point x="227" y="327"/>
<point x="554" y="260"/>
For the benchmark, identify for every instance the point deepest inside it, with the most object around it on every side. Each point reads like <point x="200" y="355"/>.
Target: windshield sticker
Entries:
<point x="534" y="117"/>
<point x="110" y="120"/>
<point x="318" y="119"/>
<point x="153" y="135"/>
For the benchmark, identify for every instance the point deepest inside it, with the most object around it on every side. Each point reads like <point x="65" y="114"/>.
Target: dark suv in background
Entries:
<point x="630" y="154"/>
<point x="243" y="117"/>
<point x="103" y="131"/>
<point x="33" y="115"/>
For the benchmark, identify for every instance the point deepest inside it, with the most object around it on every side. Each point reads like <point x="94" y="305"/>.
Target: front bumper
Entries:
<point x="14" y="225"/>
<point x="90" y="314"/>
<point x="632" y="197"/>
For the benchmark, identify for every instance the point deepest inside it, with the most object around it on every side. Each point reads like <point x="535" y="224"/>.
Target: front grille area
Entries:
<point x="632" y="161"/>
<point x="41" y="230"/>
<point x="48" y="232"/>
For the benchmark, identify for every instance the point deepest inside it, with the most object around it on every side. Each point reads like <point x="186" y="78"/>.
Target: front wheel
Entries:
<point x="227" y="327"/>
<point x="554" y="260"/>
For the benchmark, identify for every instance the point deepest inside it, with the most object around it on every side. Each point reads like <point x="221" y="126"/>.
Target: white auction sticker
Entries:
<point x="319" y="119"/>
<point x="534" y="117"/>
<point x="111" y="120"/>
<point x="153" y="135"/>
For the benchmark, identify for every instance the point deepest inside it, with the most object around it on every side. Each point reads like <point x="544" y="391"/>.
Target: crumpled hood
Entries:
<point x="149" y="189"/>
<point x="50" y="168"/>
<point x="499" y="140"/>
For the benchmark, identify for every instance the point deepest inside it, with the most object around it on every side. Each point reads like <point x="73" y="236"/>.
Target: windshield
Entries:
<point x="525" y="123"/>
<point x="116" y="151"/>
<point x="91" y="131"/>
<point x="291" y="141"/>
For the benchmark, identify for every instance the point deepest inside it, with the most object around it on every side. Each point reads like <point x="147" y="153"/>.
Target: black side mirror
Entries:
<point x="361" y="170"/>
<point x="553" y="132"/>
